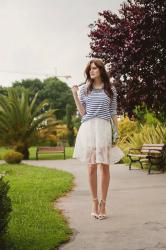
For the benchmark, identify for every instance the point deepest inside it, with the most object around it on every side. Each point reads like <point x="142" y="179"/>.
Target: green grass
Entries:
<point x="35" y="224"/>
<point x="32" y="150"/>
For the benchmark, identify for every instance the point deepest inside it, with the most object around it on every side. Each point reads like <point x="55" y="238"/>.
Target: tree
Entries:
<point x="70" y="125"/>
<point x="22" y="122"/>
<point x="59" y="95"/>
<point x="34" y="85"/>
<point x="55" y="91"/>
<point x="133" y="44"/>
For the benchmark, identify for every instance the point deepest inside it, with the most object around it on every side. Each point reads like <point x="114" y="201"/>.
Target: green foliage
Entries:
<point x="3" y="90"/>
<point x="5" y="209"/>
<point x="76" y="122"/>
<point x="57" y="93"/>
<point x="21" y="121"/>
<point x="70" y="125"/>
<point x="126" y="128"/>
<point x="33" y="85"/>
<point x="143" y="115"/>
<point x="13" y="157"/>
<point x="162" y="117"/>
<point x="149" y="134"/>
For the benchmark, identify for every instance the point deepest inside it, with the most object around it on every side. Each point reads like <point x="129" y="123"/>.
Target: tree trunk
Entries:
<point x="24" y="151"/>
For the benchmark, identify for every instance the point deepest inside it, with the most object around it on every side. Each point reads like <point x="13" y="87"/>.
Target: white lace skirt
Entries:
<point x="94" y="143"/>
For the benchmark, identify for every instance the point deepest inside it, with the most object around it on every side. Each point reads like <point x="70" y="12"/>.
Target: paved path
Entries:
<point x="136" y="205"/>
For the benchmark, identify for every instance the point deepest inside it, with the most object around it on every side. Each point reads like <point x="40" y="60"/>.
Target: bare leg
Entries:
<point x="105" y="179"/>
<point x="92" y="171"/>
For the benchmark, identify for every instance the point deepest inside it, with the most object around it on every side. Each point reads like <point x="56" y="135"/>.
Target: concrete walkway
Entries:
<point x="136" y="206"/>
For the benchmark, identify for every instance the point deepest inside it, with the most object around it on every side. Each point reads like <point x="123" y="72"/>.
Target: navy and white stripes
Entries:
<point x="98" y="104"/>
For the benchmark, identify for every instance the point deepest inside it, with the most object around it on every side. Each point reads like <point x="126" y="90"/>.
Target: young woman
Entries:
<point x="97" y="105"/>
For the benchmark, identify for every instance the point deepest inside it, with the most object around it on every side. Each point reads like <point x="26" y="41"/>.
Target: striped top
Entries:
<point x="98" y="104"/>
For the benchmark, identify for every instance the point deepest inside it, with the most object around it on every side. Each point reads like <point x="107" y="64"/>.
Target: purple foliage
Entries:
<point x="134" y="44"/>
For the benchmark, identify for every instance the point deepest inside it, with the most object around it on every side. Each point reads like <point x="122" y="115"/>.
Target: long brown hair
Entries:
<point x="103" y="74"/>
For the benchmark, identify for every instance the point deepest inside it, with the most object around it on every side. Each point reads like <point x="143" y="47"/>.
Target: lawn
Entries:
<point x="56" y="156"/>
<point x="35" y="224"/>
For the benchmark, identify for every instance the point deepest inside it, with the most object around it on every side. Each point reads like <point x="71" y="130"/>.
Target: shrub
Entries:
<point x="5" y="209"/>
<point x="145" y="116"/>
<point x="13" y="157"/>
<point x="149" y="134"/>
<point x="126" y="128"/>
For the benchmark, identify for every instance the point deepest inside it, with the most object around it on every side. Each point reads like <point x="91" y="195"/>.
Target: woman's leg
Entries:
<point x="92" y="172"/>
<point x="105" y="179"/>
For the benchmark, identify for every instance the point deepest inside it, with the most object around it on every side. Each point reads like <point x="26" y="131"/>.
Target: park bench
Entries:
<point x="151" y="154"/>
<point x="43" y="150"/>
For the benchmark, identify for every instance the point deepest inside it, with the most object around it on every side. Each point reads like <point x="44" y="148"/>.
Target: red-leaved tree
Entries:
<point x="133" y="43"/>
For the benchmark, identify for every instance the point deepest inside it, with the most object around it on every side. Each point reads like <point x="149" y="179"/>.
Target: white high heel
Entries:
<point x="93" y="214"/>
<point x="102" y="216"/>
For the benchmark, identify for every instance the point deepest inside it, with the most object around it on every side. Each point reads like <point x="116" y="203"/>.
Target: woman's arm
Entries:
<point x="115" y="121"/>
<point x="113" y="108"/>
<point x="79" y="106"/>
<point x="114" y="114"/>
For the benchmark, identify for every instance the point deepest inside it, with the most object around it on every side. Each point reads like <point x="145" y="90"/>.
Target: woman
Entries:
<point x="97" y="105"/>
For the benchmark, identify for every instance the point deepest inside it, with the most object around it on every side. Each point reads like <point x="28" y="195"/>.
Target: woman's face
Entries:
<point x="94" y="71"/>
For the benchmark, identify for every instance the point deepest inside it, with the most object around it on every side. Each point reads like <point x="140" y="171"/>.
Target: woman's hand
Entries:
<point x="80" y="107"/>
<point x="74" y="90"/>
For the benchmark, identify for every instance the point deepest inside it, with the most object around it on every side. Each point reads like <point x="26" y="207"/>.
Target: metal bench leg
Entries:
<point x="64" y="154"/>
<point x="130" y="164"/>
<point x="141" y="164"/>
<point x="150" y="165"/>
<point x="162" y="166"/>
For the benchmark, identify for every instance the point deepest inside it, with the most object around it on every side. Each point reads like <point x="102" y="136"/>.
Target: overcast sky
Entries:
<point x="42" y="38"/>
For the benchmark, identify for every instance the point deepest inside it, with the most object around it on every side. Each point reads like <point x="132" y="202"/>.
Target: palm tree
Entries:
<point x="22" y="121"/>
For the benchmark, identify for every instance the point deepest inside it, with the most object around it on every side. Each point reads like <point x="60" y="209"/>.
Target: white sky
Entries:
<point x="42" y="38"/>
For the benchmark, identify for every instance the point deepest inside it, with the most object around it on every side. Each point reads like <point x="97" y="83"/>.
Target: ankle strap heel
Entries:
<point x="101" y="215"/>
<point x="93" y="214"/>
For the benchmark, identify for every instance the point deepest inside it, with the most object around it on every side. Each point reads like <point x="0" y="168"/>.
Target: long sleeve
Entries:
<point x="113" y="106"/>
<point x="82" y="96"/>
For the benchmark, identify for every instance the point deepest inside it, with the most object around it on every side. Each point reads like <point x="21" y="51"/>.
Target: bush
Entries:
<point x="145" y="116"/>
<point x="150" y="135"/>
<point x="13" y="157"/>
<point x="5" y="209"/>
<point x="126" y="128"/>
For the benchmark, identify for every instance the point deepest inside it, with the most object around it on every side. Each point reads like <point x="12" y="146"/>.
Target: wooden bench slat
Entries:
<point x="150" y="148"/>
<point x="151" y="151"/>
<point x="138" y="155"/>
<point x="44" y="150"/>
<point x="49" y="150"/>
<point x="156" y="145"/>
